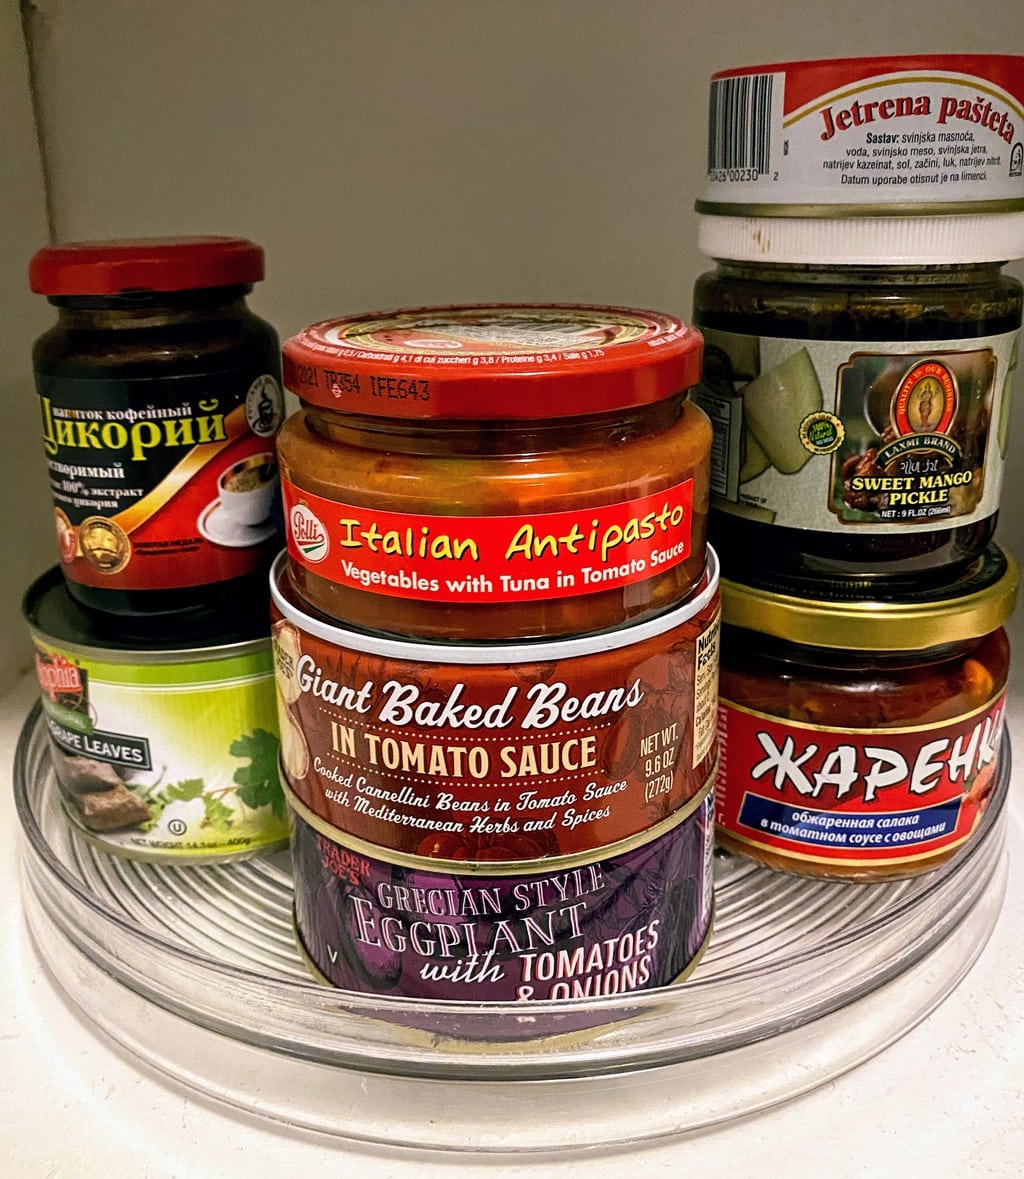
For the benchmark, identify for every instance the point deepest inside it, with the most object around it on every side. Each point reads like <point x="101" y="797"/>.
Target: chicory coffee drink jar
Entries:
<point x="160" y="401"/>
<point x="860" y="335"/>
<point x="861" y="737"/>
<point x="495" y="472"/>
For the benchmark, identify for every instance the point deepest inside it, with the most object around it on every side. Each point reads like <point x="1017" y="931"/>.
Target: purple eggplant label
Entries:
<point x="630" y="922"/>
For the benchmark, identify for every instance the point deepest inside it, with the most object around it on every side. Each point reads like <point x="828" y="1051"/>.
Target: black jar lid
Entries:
<point x="967" y="604"/>
<point x="51" y="611"/>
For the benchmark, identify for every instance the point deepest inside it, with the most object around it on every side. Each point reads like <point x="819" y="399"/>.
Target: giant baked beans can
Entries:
<point x="491" y="753"/>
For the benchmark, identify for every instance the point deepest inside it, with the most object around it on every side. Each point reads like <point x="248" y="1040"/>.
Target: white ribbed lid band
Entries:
<point x="864" y="241"/>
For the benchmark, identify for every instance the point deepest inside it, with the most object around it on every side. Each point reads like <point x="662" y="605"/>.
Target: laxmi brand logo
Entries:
<point x="308" y="534"/>
<point x="926" y="399"/>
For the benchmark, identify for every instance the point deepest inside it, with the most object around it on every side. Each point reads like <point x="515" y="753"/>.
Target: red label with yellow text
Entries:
<point x="450" y="558"/>
<point x="854" y="797"/>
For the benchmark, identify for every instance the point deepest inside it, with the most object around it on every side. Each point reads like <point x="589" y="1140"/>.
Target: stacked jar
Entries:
<point x="160" y="401"/>
<point x="860" y="344"/>
<point x="495" y="635"/>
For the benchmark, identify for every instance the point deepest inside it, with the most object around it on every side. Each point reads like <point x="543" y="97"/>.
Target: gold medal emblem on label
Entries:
<point x="104" y="544"/>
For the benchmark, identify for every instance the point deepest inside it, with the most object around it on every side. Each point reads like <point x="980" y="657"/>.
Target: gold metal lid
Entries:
<point x="975" y="603"/>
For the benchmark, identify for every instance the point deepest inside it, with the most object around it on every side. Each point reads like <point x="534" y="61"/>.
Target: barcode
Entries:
<point x="739" y="123"/>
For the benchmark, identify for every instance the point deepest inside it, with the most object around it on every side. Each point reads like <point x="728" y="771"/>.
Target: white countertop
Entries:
<point x="945" y="1100"/>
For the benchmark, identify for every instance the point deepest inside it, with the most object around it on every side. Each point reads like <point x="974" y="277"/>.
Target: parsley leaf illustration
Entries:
<point x="175" y="792"/>
<point x="259" y="783"/>
<point x="183" y="791"/>
<point x="217" y="814"/>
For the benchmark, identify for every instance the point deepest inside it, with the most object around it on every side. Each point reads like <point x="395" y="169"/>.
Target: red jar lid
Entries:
<point x="493" y="361"/>
<point x="145" y="264"/>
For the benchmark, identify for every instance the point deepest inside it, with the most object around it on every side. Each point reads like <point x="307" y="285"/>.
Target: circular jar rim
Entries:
<point x="634" y="357"/>
<point x="121" y="265"/>
<point x="972" y="605"/>
<point x="812" y="68"/>
<point x="114" y="645"/>
<point x="916" y="235"/>
<point x="526" y="651"/>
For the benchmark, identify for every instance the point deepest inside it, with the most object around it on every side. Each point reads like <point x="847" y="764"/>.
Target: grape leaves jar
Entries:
<point x="491" y="473"/>
<point x="860" y="334"/>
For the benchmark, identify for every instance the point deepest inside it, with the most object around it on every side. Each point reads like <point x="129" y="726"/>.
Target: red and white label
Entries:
<point x="447" y="558"/>
<point x="854" y="797"/>
<point x="862" y="131"/>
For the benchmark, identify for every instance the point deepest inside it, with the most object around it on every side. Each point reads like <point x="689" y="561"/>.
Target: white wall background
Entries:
<point x="399" y="151"/>
<point x="24" y="492"/>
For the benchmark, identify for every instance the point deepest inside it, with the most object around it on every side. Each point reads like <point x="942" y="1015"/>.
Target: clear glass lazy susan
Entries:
<point x="196" y="971"/>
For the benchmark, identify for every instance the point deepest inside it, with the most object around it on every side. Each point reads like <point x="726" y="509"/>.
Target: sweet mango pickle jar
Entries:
<point x="860" y="334"/>
<point x="861" y="737"/>
<point x="487" y="473"/>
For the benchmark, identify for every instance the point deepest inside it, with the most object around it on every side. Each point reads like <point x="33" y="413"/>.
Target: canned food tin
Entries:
<point x="161" y="752"/>
<point x="497" y="753"/>
<point x="606" y="926"/>
<point x="899" y="136"/>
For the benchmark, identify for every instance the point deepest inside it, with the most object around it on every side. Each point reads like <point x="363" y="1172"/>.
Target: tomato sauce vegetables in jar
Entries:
<point x="861" y="739"/>
<point x="495" y="472"/>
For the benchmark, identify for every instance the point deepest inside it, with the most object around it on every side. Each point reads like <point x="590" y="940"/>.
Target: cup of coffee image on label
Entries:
<point x="164" y="754"/>
<point x="497" y="753"/>
<point x="243" y="512"/>
<point x="602" y="927"/>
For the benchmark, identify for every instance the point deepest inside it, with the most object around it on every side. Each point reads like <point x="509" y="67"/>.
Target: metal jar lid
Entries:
<point x="968" y="605"/>
<point x="145" y="264"/>
<point x="493" y="361"/>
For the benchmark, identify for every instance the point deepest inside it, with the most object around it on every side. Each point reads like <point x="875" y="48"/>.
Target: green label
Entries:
<point x="166" y="760"/>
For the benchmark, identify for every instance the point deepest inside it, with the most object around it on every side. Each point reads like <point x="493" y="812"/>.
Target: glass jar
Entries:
<point x="860" y="336"/>
<point x="861" y="737"/>
<point x="160" y="399"/>
<point x="891" y="509"/>
<point x="495" y="473"/>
